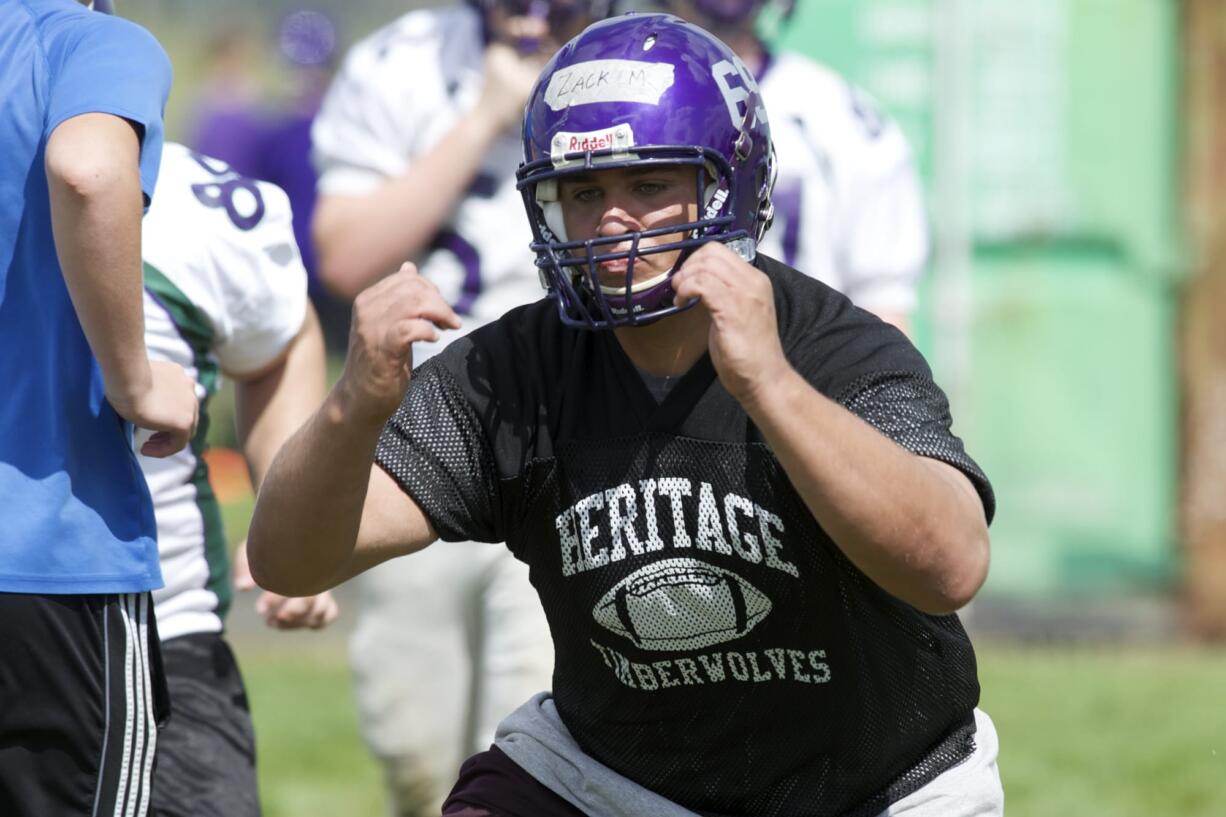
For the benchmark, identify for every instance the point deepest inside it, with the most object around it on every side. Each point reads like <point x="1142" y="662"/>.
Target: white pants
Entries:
<point x="447" y="642"/>
<point x="970" y="789"/>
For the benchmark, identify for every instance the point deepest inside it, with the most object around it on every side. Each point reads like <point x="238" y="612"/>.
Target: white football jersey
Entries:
<point x="399" y="92"/>
<point x="225" y="290"/>
<point x="849" y="208"/>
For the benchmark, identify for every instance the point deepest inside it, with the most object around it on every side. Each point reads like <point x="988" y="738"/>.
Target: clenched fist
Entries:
<point x="388" y="318"/>
<point x="744" y="337"/>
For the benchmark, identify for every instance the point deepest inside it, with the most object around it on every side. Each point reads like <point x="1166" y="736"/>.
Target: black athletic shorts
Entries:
<point x="493" y="785"/>
<point x="81" y="696"/>
<point x="206" y="753"/>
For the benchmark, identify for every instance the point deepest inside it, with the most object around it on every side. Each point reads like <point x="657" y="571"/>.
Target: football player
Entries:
<point x="416" y="145"/>
<point x="739" y="496"/>
<point x="225" y="295"/>
<point x="849" y="207"/>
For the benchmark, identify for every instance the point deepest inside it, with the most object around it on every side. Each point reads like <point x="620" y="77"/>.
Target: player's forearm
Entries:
<point x="273" y="405"/>
<point x="361" y="239"/>
<point x="93" y="176"/>
<point x="903" y="520"/>
<point x="307" y="516"/>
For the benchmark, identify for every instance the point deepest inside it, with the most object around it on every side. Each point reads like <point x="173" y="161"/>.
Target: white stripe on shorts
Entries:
<point x="106" y="702"/>
<point x="129" y="727"/>
<point x="151" y="730"/>
<point x="140" y="727"/>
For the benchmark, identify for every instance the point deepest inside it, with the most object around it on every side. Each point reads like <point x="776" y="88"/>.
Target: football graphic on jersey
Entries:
<point x="681" y="604"/>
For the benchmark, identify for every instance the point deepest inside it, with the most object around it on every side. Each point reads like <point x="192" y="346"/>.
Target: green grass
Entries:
<point x="311" y="761"/>
<point x="1112" y="732"/>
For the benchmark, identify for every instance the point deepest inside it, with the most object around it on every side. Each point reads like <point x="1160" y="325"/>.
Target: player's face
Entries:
<point x="620" y="201"/>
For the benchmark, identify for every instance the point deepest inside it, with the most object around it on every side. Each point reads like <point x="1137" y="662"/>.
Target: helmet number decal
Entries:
<point x="736" y="96"/>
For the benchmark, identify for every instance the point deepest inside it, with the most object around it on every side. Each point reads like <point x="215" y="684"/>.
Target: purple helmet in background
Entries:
<point x="636" y="90"/>
<point x="307" y="38"/>
<point x="727" y="11"/>
<point x="731" y="12"/>
<point x="559" y="13"/>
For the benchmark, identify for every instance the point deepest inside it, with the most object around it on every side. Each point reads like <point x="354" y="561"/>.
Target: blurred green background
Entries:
<point x="1054" y="138"/>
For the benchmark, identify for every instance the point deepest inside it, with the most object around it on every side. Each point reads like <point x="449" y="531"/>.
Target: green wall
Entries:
<point x="1066" y="186"/>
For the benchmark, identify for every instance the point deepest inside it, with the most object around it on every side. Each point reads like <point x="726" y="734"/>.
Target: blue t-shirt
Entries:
<point x="75" y="514"/>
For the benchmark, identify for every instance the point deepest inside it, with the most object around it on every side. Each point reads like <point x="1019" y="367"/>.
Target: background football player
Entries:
<point x="744" y="510"/>
<point x="849" y="207"/>
<point x="416" y="145"/>
<point x="225" y="295"/>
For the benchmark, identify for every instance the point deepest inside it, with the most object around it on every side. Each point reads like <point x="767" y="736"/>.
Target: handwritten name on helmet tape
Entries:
<point x="609" y="81"/>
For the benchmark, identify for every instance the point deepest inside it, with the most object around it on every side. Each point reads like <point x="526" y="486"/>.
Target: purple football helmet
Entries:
<point x="104" y="6"/>
<point x="632" y="91"/>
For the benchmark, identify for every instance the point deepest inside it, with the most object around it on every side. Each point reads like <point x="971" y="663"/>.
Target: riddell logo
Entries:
<point x="615" y="139"/>
<point x="597" y="142"/>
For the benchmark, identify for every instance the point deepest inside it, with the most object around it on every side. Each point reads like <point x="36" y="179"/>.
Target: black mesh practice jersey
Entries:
<point x="712" y="642"/>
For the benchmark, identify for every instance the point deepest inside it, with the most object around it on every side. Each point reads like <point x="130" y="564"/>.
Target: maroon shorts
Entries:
<point x="493" y="785"/>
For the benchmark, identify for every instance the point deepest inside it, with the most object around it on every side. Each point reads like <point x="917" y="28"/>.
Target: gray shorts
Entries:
<point x="206" y="752"/>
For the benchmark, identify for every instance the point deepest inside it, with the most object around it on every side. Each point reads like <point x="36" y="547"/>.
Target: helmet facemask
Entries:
<point x="570" y="267"/>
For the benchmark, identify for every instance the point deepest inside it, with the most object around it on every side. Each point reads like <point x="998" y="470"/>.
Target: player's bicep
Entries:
<point x="108" y="65"/>
<point x="959" y="483"/>
<point x="332" y="218"/>
<point x="392" y="525"/>
<point x="909" y="408"/>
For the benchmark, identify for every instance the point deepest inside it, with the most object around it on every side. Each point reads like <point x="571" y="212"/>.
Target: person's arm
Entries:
<point x="274" y="402"/>
<point x="325" y="512"/>
<point x="362" y="238"/>
<point x="914" y="525"/>
<point x="93" y="177"/>
<point x="270" y="405"/>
